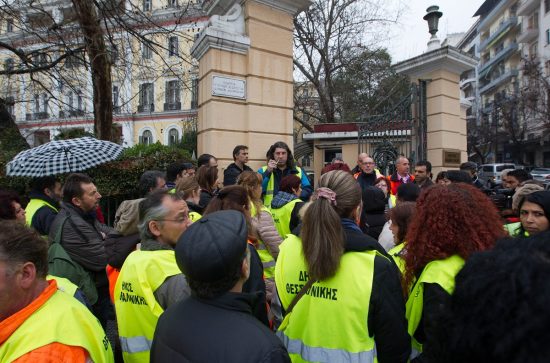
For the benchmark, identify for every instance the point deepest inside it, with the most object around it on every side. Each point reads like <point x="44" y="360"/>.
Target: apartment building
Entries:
<point x="153" y="75"/>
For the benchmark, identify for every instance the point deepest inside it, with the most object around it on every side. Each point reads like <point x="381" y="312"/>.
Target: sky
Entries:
<point x="409" y="37"/>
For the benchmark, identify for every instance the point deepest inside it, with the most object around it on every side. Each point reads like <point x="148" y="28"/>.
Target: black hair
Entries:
<point x="281" y="145"/>
<point x="520" y="174"/>
<point x="425" y="163"/>
<point x="73" y="186"/>
<point x="148" y="181"/>
<point x="469" y="166"/>
<point x="7" y="197"/>
<point x="459" y="176"/>
<point x="175" y="169"/>
<point x="408" y="192"/>
<point x="204" y="159"/>
<point x="498" y="309"/>
<point x="44" y="182"/>
<point x="441" y="175"/>
<point x="238" y="149"/>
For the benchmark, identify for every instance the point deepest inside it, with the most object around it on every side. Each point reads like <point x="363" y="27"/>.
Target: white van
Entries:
<point x="491" y="173"/>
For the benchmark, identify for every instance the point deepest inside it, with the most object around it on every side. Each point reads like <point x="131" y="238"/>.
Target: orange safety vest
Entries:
<point x="112" y="276"/>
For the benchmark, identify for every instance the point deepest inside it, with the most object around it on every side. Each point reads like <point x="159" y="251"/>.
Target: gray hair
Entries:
<point x="152" y="209"/>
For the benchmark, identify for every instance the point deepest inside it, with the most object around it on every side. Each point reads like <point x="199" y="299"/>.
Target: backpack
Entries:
<point x="62" y="265"/>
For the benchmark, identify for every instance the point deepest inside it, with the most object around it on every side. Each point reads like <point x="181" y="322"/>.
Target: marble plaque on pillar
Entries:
<point x="229" y="87"/>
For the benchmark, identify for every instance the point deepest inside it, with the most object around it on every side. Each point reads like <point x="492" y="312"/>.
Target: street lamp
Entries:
<point x="432" y="17"/>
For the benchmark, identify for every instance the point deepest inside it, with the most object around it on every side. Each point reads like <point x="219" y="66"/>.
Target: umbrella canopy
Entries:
<point x="63" y="156"/>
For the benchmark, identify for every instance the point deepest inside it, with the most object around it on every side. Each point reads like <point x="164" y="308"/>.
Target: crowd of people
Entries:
<point x="262" y="267"/>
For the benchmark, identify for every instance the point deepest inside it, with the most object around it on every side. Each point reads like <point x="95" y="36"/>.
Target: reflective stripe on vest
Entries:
<point x="61" y="319"/>
<point x="33" y="206"/>
<point x="281" y="217"/>
<point x="135" y="344"/>
<point x="319" y="354"/>
<point x="441" y="272"/>
<point x="268" y="262"/>
<point x="137" y="309"/>
<point x="268" y="197"/>
<point x="329" y="323"/>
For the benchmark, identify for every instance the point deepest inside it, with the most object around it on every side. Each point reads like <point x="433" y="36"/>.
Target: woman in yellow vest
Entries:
<point x="400" y="218"/>
<point x="451" y="223"/>
<point x="286" y="205"/>
<point x="534" y="215"/>
<point x="268" y="237"/>
<point x="351" y="308"/>
<point x="191" y="191"/>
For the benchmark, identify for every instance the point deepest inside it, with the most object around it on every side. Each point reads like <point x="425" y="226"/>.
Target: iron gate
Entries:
<point x="399" y="131"/>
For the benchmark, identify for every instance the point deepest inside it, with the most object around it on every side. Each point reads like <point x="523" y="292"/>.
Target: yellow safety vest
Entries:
<point x="137" y="310"/>
<point x="281" y="217"/>
<point x="329" y="323"/>
<point x="392" y="201"/>
<point x="514" y="229"/>
<point x="268" y="197"/>
<point x="194" y="216"/>
<point x="64" y="284"/>
<point x="396" y="254"/>
<point x="61" y="319"/>
<point x="441" y="272"/>
<point x="268" y="261"/>
<point x="33" y="206"/>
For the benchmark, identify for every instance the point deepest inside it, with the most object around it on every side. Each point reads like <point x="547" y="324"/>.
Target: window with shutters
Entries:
<point x="10" y="105"/>
<point x="147" y="5"/>
<point x="546" y="6"/>
<point x="146" y="50"/>
<point x="172" y="3"/>
<point x="146" y="98"/>
<point x="172" y="96"/>
<point x="9" y="25"/>
<point x="194" y="94"/>
<point x="173" y="137"/>
<point x="146" y="138"/>
<point x="173" y="47"/>
<point x="116" y="95"/>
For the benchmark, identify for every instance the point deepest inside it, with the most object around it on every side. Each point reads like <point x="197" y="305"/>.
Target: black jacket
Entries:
<point x="44" y="216"/>
<point x="206" y="197"/>
<point x="231" y="174"/>
<point x="373" y="215"/>
<point x="215" y="330"/>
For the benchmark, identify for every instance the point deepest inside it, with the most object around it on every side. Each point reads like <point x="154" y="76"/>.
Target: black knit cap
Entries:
<point x="213" y="247"/>
<point x="542" y="198"/>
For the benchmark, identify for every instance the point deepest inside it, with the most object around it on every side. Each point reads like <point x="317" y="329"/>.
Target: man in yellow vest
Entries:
<point x="280" y="164"/>
<point x="39" y="321"/>
<point x="150" y="280"/>
<point x="43" y="204"/>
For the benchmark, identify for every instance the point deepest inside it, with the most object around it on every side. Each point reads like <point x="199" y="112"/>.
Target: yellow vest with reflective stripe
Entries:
<point x="268" y="197"/>
<point x="33" y="206"/>
<point x="137" y="310"/>
<point x="194" y="216"/>
<point x="61" y="319"/>
<point x="441" y="272"/>
<point x="281" y="217"/>
<point x="329" y="323"/>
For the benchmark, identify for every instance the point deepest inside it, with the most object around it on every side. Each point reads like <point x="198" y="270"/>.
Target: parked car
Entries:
<point x="490" y="173"/>
<point x="541" y="174"/>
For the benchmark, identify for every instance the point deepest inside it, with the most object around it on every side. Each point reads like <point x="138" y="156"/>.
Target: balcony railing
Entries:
<point x="489" y="19"/>
<point x="71" y="113"/>
<point x="526" y="7"/>
<point x="503" y="54"/>
<point x="36" y="116"/>
<point x="505" y="26"/>
<point x="498" y="80"/>
<point x="528" y="35"/>
<point x="146" y="108"/>
<point x="174" y="106"/>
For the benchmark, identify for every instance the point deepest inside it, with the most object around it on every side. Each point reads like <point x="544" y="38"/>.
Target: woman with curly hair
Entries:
<point x="451" y="223"/>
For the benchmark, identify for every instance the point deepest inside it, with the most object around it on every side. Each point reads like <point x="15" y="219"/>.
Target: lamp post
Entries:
<point x="432" y="17"/>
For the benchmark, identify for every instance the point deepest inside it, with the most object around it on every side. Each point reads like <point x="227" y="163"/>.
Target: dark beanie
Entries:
<point x="213" y="247"/>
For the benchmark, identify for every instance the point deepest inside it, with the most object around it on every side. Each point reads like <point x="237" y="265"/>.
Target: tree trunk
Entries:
<point x="11" y="140"/>
<point x="100" y="67"/>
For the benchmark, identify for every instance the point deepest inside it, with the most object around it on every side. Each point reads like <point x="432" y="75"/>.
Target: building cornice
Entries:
<point x="220" y="7"/>
<point x="448" y="58"/>
<point x="211" y="38"/>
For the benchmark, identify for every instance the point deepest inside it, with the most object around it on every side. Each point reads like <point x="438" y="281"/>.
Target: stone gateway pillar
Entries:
<point x="446" y="134"/>
<point x="246" y="77"/>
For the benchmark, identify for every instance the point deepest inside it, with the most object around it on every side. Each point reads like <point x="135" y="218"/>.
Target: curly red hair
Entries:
<point x="457" y="219"/>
